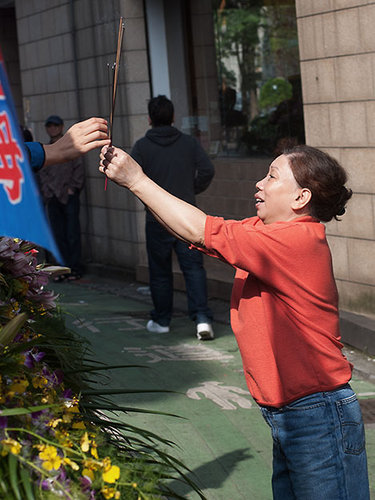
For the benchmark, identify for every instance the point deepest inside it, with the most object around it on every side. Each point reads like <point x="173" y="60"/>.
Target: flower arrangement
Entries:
<point x="59" y="438"/>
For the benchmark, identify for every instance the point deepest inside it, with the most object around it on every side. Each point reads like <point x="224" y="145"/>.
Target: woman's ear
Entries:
<point x="302" y="199"/>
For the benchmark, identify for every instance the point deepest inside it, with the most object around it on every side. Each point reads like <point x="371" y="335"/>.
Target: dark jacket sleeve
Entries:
<point x="204" y="170"/>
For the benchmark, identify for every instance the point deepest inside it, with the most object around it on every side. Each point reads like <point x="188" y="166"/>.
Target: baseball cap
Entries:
<point x="54" y="119"/>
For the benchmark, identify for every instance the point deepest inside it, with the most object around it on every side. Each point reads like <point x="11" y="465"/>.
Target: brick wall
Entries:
<point x="337" y="52"/>
<point x="65" y="48"/>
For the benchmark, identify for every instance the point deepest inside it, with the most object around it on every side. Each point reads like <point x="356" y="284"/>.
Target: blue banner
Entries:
<point x="21" y="211"/>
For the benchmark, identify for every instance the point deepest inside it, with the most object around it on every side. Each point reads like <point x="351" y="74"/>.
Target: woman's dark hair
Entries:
<point x="324" y="177"/>
<point x="160" y="111"/>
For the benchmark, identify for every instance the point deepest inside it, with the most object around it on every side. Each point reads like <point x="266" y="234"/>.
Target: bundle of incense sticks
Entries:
<point x="115" y="69"/>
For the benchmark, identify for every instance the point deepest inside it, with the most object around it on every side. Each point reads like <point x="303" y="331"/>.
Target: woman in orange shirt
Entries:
<point x="284" y="313"/>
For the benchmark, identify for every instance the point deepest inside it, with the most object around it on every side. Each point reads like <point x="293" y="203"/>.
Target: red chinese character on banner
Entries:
<point x="11" y="175"/>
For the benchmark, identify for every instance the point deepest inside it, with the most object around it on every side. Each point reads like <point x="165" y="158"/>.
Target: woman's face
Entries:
<point x="279" y="196"/>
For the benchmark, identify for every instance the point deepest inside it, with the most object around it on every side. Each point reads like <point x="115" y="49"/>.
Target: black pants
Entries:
<point x="160" y="244"/>
<point x="64" y="220"/>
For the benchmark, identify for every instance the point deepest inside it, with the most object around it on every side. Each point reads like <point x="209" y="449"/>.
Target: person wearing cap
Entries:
<point x="60" y="186"/>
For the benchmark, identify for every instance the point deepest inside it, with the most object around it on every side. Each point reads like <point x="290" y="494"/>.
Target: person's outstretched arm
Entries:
<point x="182" y="219"/>
<point x="78" y="140"/>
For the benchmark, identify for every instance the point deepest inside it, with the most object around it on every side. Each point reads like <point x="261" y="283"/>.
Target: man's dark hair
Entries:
<point x="160" y="111"/>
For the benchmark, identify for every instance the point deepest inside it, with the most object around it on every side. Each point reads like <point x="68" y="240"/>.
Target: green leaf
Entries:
<point x="104" y="368"/>
<point x="125" y="409"/>
<point x="26" y="483"/>
<point x="3" y="487"/>
<point x="10" y="330"/>
<point x="10" y="412"/>
<point x="3" y="280"/>
<point x="13" y="476"/>
<point x="123" y="391"/>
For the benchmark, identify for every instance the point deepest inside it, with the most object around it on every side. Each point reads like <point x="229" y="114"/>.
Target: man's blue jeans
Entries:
<point x="319" y="448"/>
<point x="160" y="245"/>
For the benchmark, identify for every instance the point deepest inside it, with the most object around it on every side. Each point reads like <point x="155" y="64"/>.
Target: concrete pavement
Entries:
<point x="222" y="437"/>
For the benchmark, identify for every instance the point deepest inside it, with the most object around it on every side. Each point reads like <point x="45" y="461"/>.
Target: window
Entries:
<point x="257" y="60"/>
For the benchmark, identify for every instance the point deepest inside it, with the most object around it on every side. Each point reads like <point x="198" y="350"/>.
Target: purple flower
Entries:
<point x="46" y="484"/>
<point x="8" y="247"/>
<point x="33" y="356"/>
<point x="67" y="394"/>
<point x="37" y="414"/>
<point x="49" y="483"/>
<point x="54" y="378"/>
<point x="22" y="266"/>
<point x="85" y="483"/>
<point x="3" y="422"/>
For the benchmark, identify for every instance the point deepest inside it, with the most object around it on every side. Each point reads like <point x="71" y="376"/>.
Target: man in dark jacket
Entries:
<point x="60" y="186"/>
<point x="177" y="163"/>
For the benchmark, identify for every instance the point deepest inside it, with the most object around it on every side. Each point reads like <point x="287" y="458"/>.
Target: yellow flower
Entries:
<point x="67" y="418"/>
<point x="72" y="406"/>
<point x="51" y="459"/>
<point x="106" y="464"/>
<point x="53" y="464"/>
<point x="72" y="464"/>
<point x="92" y="465"/>
<point x="39" y="447"/>
<point x="112" y="474"/>
<point x="55" y="422"/>
<point x="49" y="395"/>
<point x="85" y="443"/>
<point x="79" y="425"/>
<point x="47" y="451"/>
<point x="14" y="309"/>
<point x="39" y="382"/>
<point x="19" y="385"/>
<point x="110" y="493"/>
<point x="63" y="438"/>
<point x="94" y="450"/>
<point x="89" y="473"/>
<point x="11" y="445"/>
<point x="135" y="485"/>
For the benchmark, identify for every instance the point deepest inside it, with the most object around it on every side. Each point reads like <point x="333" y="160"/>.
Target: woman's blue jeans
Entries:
<point x="160" y="245"/>
<point x="319" y="448"/>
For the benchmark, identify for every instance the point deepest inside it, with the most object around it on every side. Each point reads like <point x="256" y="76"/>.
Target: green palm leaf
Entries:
<point x="10" y="330"/>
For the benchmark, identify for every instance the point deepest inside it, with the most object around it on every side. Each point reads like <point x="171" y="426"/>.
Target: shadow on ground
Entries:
<point x="215" y="472"/>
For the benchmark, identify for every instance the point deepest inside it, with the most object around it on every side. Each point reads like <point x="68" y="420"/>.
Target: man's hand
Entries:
<point x="78" y="140"/>
<point x="120" y="167"/>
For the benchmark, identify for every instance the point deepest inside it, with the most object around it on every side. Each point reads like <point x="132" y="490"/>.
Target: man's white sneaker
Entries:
<point x="205" y="331"/>
<point x="154" y="327"/>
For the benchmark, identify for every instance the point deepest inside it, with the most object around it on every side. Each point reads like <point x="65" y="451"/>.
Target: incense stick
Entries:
<point x="115" y="68"/>
<point x="115" y="76"/>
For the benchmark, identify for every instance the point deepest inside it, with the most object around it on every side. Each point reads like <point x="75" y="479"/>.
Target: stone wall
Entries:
<point x="337" y="52"/>
<point x="8" y="45"/>
<point x="65" y="48"/>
